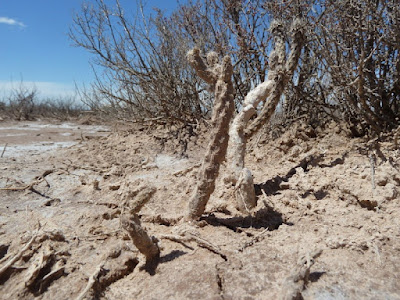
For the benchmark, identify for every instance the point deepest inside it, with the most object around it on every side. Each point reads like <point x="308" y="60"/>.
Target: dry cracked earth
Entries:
<point x="326" y="226"/>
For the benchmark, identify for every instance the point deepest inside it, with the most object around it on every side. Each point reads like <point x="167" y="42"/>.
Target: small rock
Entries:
<point x="390" y="192"/>
<point x="52" y="202"/>
<point x="368" y="204"/>
<point x="114" y="187"/>
<point x="381" y="180"/>
<point x="296" y="151"/>
<point x="284" y="186"/>
<point x="300" y="171"/>
<point x="96" y="185"/>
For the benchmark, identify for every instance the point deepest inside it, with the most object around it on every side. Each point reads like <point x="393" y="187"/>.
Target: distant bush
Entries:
<point x="23" y="103"/>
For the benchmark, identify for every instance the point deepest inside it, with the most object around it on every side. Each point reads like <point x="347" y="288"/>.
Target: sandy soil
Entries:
<point x="327" y="223"/>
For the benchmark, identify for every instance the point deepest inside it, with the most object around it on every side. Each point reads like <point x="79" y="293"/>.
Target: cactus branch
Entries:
<point x="271" y="90"/>
<point x="131" y="223"/>
<point x="219" y="76"/>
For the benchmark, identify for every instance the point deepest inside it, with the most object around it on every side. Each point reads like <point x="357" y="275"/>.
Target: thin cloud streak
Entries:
<point x="9" y="21"/>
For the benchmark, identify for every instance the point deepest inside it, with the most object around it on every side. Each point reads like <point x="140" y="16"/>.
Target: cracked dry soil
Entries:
<point x="326" y="225"/>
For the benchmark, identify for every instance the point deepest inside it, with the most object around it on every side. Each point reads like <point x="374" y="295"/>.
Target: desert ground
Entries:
<point x="326" y="225"/>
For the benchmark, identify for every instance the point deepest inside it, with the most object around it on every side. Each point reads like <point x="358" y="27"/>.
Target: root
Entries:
<point x="37" y="280"/>
<point x="14" y="259"/>
<point x="117" y="264"/>
<point x="31" y="187"/>
<point x="297" y="281"/>
<point x="38" y="180"/>
<point x="93" y="279"/>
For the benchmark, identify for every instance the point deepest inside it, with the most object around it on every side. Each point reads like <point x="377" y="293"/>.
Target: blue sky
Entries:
<point x="35" y="47"/>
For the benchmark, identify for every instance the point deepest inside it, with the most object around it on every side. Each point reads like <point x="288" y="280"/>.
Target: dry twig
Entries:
<point x="185" y="171"/>
<point x="188" y="237"/>
<point x="4" y="150"/>
<point x="38" y="179"/>
<point x="372" y="162"/>
<point x="93" y="279"/>
<point x="254" y="240"/>
<point x="298" y="280"/>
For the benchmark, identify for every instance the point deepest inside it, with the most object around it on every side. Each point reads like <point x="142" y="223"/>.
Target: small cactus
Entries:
<point x="135" y="200"/>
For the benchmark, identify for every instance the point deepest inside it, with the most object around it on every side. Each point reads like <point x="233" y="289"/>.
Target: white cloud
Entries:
<point x="51" y="90"/>
<point x="9" y="21"/>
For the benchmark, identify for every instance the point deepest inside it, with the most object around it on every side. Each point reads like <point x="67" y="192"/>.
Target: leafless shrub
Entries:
<point x="143" y="65"/>
<point x="61" y="108"/>
<point x="362" y="54"/>
<point x="21" y="102"/>
<point x="348" y="69"/>
<point x="235" y="28"/>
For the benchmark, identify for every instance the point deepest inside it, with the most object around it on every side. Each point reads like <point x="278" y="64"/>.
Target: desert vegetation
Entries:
<point x="347" y="70"/>
<point x="23" y="103"/>
<point x="258" y="158"/>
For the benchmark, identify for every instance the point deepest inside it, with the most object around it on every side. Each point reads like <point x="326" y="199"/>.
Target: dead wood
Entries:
<point x="135" y="195"/>
<point x="297" y="281"/>
<point x="4" y="150"/>
<point x="117" y="264"/>
<point x="396" y="138"/>
<point x="244" y="191"/>
<point x="31" y="187"/>
<point x="34" y="280"/>
<point x="142" y="197"/>
<point x="15" y="258"/>
<point x="142" y="241"/>
<point x="372" y="160"/>
<point x="93" y="279"/>
<point x="162" y="220"/>
<point x="201" y="242"/>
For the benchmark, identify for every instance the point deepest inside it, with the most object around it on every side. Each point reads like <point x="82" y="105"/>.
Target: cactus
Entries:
<point x="131" y="223"/>
<point x="219" y="77"/>
<point x="271" y="89"/>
